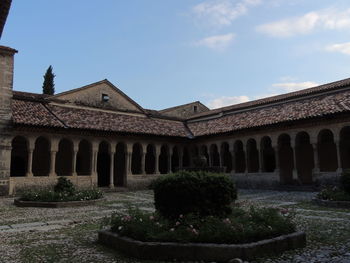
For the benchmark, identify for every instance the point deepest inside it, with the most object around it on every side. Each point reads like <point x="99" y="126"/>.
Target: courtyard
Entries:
<point x="70" y="234"/>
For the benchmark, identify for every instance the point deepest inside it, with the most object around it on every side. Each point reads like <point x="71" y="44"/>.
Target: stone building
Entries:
<point x="97" y="135"/>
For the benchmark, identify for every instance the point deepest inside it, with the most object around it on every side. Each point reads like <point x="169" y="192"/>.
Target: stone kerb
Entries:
<point x="21" y="203"/>
<point x="328" y="203"/>
<point x="200" y="252"/>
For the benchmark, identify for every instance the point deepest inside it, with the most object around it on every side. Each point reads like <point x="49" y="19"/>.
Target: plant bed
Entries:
<point x="21" y="203"/>
<point x="63" y="194"/>
<point x="331" y="203"/>
<point x="199" y="251"/>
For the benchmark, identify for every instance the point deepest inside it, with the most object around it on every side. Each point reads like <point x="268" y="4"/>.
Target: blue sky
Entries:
<point x="164" y="53"/>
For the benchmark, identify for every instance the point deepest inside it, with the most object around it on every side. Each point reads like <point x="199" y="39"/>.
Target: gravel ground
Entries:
<point x="70" y="234"/>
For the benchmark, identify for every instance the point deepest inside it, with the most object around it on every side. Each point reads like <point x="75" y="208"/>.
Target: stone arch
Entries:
<point x="252" y="156"/>
<point x="286" y="159"/>
<point x="64" y="158"/>
<point x="103" y="164"/>
<point x="41" y="157"/>
<point x="327" y="151"/>
<point x="304" y="157"/>
<point x="215" y="156"/>
<point x="226" y="157"/>
<point x="150" y="159"/>
<point x="268" y="158"/>
<point x="185" y="157"/>
<point x="136" y="159"/>
<point x="120" y="165"/>
<point x="163" y="159"/>
<point x="175" y="161"/>
<point x="19" y="157"/>
<point x="84" y="155"/>
<point x="344" y="145"/>
<point x="240" y="161"/>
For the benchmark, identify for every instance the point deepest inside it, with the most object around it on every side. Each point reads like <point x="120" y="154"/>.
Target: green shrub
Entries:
<point x="345" y="181"/>
<point x="333" y="194"/>
<point x="194" y="192"/>
<point x="242" y="226"/>
<point x="64" y="185"/>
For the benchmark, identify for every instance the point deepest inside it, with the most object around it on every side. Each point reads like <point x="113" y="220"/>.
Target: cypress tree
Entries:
<point x="49" y="85"/>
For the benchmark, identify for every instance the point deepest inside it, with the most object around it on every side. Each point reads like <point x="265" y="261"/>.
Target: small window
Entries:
<point x="195" y="108"/>
<point x="105" y="97"/>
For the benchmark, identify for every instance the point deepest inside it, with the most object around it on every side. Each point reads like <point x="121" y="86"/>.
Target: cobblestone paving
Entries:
<point x="70" y="234"/>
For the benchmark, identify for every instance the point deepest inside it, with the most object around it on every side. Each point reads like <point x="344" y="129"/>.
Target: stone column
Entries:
<point x="260" y="159"/>
<point x="277" y="159"/>
<point x="53" y="153"/>
<point x="95" y="147"/>
<point x="181" y="155"/>
<point x="111" y="170"/>
<point x="210" y="156"/>
<point x="337" y="145"/>
<point x="169" y="159"/>
<point x="156" y="155"/>
<point x="143" y="158"/>
<point x="295" y="170"/>
<point x="316" y="159"/>
<point x="31" y="145"/>
<point x="232" y="151"/>
<point x="128" y="158"/>
<point x="74" y="161"/>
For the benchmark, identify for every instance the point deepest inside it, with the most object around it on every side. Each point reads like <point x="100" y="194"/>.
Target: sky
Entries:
<point x="164" y="53"/>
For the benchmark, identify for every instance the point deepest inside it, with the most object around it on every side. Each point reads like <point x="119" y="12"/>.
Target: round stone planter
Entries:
<point x="200" y="252"/>
<point x="328" y="203"/>
<point x="21" y="203"/>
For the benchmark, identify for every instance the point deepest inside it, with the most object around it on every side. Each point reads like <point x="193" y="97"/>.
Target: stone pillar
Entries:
<point x="316" y="159"/>
<point x="156" y="155"/>
<point x="74" y="161"/>
<point x="295" y="170"/>
<point x="277" y="159"/>
<point x="6" y="85"/>
<point x="143" y="158"/>
<point x="111" y="170"/>
<point x="128" y="158"/>
<point x="31" y="145"/>
<point x="53" y="152"/>
<point x="261" y="159"/>
<point x="337" y="145"/>
<point x="210" y="156"/>
<point x="95" y="146"/>
<point x="181" y="156"/>
<point x="232" y="151"/>
<point x="169" y="159"/>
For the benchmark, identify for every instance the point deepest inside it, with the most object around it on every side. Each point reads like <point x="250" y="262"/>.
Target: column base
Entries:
<point x="111" y="186"/>
<point x="29" y="175"/>
<point x="316" y="170"/>
<point x="295" y="174"/>
<point x="52" y="175"/>
<point x="339" y="170"/>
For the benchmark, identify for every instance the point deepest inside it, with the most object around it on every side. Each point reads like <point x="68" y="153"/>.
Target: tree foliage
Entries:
<point x="49" y="85"/>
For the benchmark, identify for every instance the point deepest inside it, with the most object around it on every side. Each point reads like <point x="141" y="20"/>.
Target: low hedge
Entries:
<point x="199" y="193"/>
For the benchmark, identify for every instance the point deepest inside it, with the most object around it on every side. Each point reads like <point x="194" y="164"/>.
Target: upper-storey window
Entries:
<point x="195" y="109"/>
<point x="105" y="97"/>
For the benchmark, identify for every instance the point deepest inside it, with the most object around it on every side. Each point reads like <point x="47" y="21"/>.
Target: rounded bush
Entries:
<point x="64" y="185"/>
<point x="200" y="193"/>
<point x="345" y="181"/>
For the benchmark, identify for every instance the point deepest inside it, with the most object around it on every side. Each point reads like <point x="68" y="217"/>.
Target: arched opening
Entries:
<point x="41" y="157"/>
<point x="175" y="159"/>
<point x="84" y="158"/>
<point x="327" y="151"/>
<point x="136" y="159"/>
<point x="240" y="163"/>
<point x="252" y="156"/>
<point x="119" y="165"/>
<point x="305" y="157"/>
<point x="215" y="157"/>
<point x="268" y="161"/>
<point x="103" y="164"/>
<point x="163" y="159"/>
<point x="150" y="160"/>
<point x="64" y="158"/>
<point x="344" y="145"/>
<point x="226" y="157"/>
<point x="185" y="158"/>
<point x="19" y="157"/>
<point x="286" y="161"/>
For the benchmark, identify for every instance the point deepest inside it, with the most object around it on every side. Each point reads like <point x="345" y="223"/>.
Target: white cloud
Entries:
<point x="223" y="12"/>
<point x="342" y="48"/>
<point x="218" y="42"/>
<point x="293" y="86"/>
<point x="326" y="19"/>
<point x="226" y="101"/>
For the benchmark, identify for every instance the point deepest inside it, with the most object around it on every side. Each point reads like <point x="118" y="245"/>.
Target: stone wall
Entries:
<point x="185" y="110"/>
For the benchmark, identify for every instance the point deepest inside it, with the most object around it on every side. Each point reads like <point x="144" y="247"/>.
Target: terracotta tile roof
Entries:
<point x="34" y="114"/>
<point x="109" y="121"/>
<point x="268" y="115"/>
<point x="279" y="98"/>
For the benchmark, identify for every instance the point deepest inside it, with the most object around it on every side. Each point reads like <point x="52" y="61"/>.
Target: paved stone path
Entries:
<point x="69" y="234"/>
